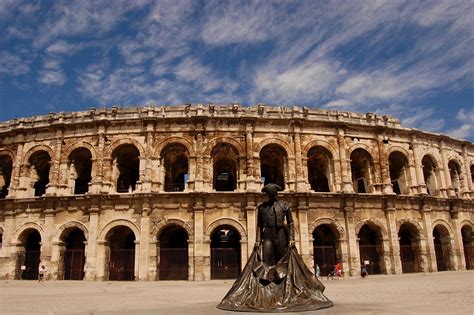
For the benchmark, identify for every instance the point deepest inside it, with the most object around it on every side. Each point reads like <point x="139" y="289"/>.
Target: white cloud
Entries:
<point x="13" y="64"/>
<point x="466" y="125"/>
<point x="52" y="77"/>
<point x="338" y="103"/>
<point x="61" y="47"/>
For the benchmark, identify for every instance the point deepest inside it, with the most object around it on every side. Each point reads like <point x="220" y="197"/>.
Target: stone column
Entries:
<point x="251" y="180"/>
<point x="345" y="163"/>
<point x="251" y="210"/>
<point x="456" y="243"/>
<point x="198" y="181"/>
<point x="147" y="160"/>
<point x="304" y="234"/>
<point x="301" y="182"/>
<point x="55" y="174"/>
<point x="199" y="273"/>
<point x="91" y="265"/>
<point x="9" y="248"/>
<point x="15" y="187"/>
<point x="353" y="249"/>
<point x="143" y="255"/>
<point x="345" y="254"/>
<point x="469" y="186"/>
<point x="446" y="187"/>
<point x="46" y="241"/>
<point x="384" y="166"/>
<point x="393" y="241"/>
<point x="430" y="249"/>
<point x="97" y="180"/>
<point x="420" y="179"/>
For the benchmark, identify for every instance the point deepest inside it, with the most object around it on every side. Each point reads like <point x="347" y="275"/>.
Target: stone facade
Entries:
<point x="119" y="187"/>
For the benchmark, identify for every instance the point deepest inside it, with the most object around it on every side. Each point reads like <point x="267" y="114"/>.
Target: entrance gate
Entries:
<point x="370" y="253"/>
<point x="407" y="256"/>
<point x="27" y="264"/>
<point x="173" y="264"/>
<point x="73" y="264"/>
<point x="225" y="263"/>
<point x="440" y="261"/>
<point x="469" y="256"/>
<point x="325" y="257"/>
<point x="122" y="264"/>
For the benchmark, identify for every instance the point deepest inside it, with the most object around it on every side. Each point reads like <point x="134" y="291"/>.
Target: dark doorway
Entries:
<point x="225" y="253"/>
<point x="409" y="254"/>
<point x="362" y="170"/>
<point x="121" y="254"/>
<point x="6" y="167"/>
<point x="468" y="246"/>
<point x="272" y="165"/>
<point x="370" y="248"/>
<point x="173" y="258"/>
<point x="442" y="244"/>
<point x="40" y="166"/>
<point x="127" y="159"/>
<point x="398" y="169"/>
<point x="225" y="163"/>
<point x="73" y="257"/>
<point x="175" y="160"/>
<point x="429" y="175"/>
<point x="325" y="248"/>
<point x="319" y="170"/>
<point x="81" y="164"/>
<point x="28" y="260"/>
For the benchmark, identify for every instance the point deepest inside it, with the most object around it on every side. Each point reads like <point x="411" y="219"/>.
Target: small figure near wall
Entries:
<point x="275" y="278"/>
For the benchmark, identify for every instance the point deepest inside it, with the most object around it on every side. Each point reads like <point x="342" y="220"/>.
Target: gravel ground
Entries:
<point x="434" y="293"/>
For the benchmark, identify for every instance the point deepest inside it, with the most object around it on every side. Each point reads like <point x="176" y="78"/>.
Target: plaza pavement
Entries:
<point x="432" y="293"/>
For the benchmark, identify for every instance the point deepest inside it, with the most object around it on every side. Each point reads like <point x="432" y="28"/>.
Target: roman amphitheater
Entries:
<point x="171" y="192"/>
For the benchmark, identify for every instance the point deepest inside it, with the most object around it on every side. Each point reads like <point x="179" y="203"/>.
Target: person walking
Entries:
<point x="317" y="271"/>
<point x="41" y="273"/>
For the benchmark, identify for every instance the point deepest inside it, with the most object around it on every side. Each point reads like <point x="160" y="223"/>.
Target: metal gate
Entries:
<point x="370" y="253"/>
<point x="469" y="256"/>
<point x="225" y="263"/>
<point x="173" y="264"/>
<point x="325" y="257"/>
<point x="121" y="265"/>
<point x="72" y="264"/>
<point x="440" y="261"/>
<point x="407" y="256"/>
<point x="27" y="264"/>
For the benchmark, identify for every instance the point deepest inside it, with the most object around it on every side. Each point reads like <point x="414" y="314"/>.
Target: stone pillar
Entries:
<point x="9" y="248"/>
<point x="303" y="231"/>
<point x="199" y="181"/>
<point x="199" y="273"/>
<point x="301" y="182"/>
<point x="420" y="179"/>
<point x="468" y="184"/>
<point x="46" y="241"/>
<point x="55" y="174"/>
<point x="446" y="187"/>
<point x="144" y="243"/>
<point x="251" y="210"/>
<point x="346" y="185"/>
<point x="353" y="248"/>
<point x="393" y="242"/>
<point x="384" y="166"/>
<point x="456" y="243"/>
<point x="15" y="186"/>
<point x="430" y="249"/>
<point x="251" y="180"/>
<point x="91" y="266"/>
<point x="98" y="166"/>
<point x="146" y="180"/>
<point x="343" y="243"/>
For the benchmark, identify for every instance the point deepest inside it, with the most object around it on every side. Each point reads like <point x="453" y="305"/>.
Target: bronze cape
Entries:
<point x="289" y="286"/>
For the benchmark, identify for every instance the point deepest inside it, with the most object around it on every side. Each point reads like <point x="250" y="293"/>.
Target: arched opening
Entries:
<point x="1" y="240"/>
<point x="362" y="169"/>
<point x="325" y="248"/>
<point x="73" y="255"/>
<point x="120" y="254"/>
<point x="273" y="160"/>
<point x="80" y="166"/>
<point x="319" y="169"/>
<point x="225" y="166"/>
<point x="6" y="167"/>
<point x="225" y="253"/>
<point x="40" y="165"/>
<point x="455" y="175"/>
<point x="371" y="249"/>
<point x="472" y="174"/>
<point x="173" y="248"/>
<point x="429" y="175"/>
<point x="175" y="160"/>
<point x="442" y="244"/>
<point x="399" y="175"/>
<point x="409" y="240"/>
<point x="126" y="167"/>
<point x="468" y="246"/>
<point x="28" y="257"/>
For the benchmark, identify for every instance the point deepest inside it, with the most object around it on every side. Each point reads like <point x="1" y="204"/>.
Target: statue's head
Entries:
<point x="271" y="190"/>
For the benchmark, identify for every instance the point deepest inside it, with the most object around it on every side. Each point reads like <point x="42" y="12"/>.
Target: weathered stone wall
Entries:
<point x="200" y="210"/>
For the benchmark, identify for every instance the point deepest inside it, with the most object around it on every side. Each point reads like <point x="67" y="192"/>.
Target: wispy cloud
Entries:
<point x="466" y="124"/>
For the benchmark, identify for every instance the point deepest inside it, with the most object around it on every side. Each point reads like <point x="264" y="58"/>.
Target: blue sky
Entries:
<point x="410" y="59"/>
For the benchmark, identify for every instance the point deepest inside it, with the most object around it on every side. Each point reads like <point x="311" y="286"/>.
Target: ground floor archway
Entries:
<point x="225" y="253"/>
<point x="468" y="246"/>
<point x="28" y="257"/>
<point x="409" y="241"/>
<point x="325" y="248"/>
<point x="371" y="249"/>
<point x="72" y="255"/>
<point x="120" y="254"/>
<point x="442" y="245"/>
<point x="173" y="249"/>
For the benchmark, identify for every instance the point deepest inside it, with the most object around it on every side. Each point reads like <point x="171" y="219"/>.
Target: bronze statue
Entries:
<point x="275" y="278"/>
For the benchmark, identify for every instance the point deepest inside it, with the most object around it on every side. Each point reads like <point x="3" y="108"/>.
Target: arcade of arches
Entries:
<point x="171" y="193"/>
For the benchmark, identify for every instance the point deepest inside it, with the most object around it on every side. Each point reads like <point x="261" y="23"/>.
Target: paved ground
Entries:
<point x="435" y="293"/>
